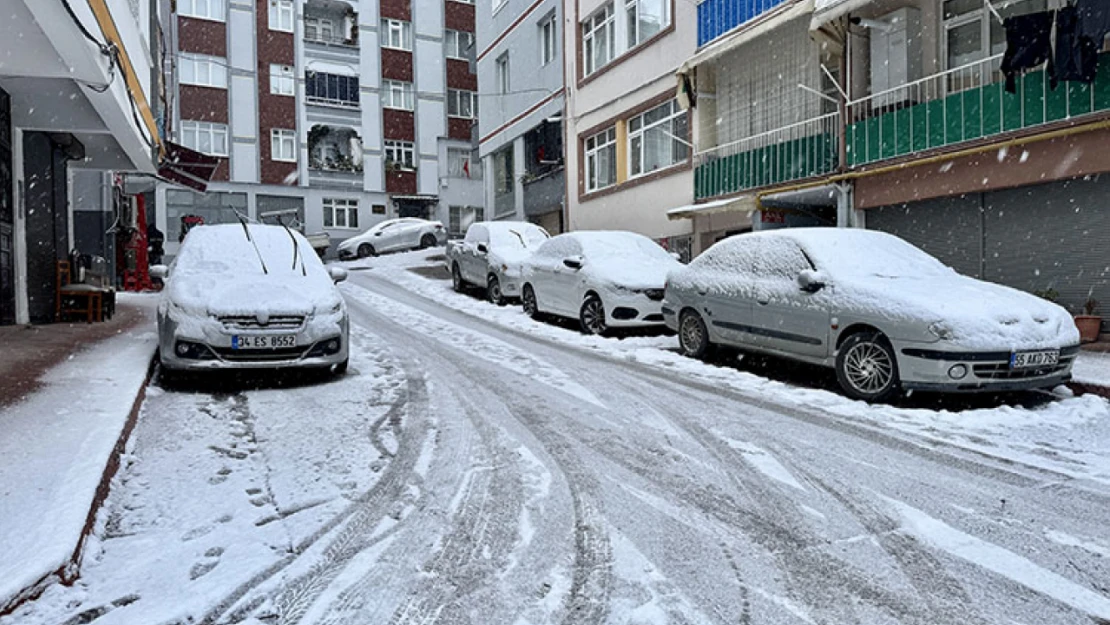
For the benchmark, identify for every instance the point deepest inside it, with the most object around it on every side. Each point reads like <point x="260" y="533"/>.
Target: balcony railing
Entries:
<point x="964" y="104"/>
<point x="802" y="150"/>
<point x="717" y="17"/>
<point x="330" y="40"/>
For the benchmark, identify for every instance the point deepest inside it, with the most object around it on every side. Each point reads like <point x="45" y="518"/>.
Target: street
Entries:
<point x="464" y="472"/>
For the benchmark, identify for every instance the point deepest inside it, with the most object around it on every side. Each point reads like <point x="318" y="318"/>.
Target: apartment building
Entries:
<point x="897" y="118"/>
<point x="344" y="112"/>
<point x="629" y="156"/>
<point x="520" y="122"/>
<point x="79" y="91"/>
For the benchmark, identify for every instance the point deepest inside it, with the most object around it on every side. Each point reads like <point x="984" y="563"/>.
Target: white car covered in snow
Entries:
<point x="883" y="313"/>
<point x="602" y="278"/>
<point x="394" y="235"/>
<point x="241" y="296"/>
<point x="492" y="256"/>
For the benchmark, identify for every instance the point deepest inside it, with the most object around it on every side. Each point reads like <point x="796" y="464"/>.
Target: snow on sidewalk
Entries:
<point x="54" y="447"/>
<point x="1092" y="368"/>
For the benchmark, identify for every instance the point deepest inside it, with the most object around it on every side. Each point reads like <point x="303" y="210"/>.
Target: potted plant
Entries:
<point x="1089" y="323"/>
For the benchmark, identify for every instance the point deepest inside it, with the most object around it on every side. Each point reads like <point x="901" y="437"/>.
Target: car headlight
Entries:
<point x="329" y="310"/>
<point x="941" y="331"/>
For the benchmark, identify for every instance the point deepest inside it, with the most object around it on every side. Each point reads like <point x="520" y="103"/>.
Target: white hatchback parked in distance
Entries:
<point x="605" y="279"/>
<point x="392" y="235"/>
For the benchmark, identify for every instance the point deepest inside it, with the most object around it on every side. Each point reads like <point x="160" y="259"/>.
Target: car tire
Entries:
<point x="366" y="250"/>
<point x="457" y="281"/>
<point x="493" y="291"/>
<point x="867" y="368"/>
<point x="591" y="316"/>
<point x="426" y="241"/>
<point x="341" y="368"/>
<point x="693" y="336"/>
<point x="528" y="301"/>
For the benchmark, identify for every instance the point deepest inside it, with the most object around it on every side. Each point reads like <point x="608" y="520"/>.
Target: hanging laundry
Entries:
<point x="1094" y="20"/>
<point x="1076" y="56"/>
<point x="1028" y="44"/>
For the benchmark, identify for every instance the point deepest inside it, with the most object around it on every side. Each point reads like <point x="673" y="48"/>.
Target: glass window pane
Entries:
<point x="965" y="44"/>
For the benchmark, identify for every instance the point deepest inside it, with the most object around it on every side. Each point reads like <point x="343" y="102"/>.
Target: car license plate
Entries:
<point x="1028" y="360"/>
<point x="264" y="341"/>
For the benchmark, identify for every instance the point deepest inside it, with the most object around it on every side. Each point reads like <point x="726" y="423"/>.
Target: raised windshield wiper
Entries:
<point x="247" y="231"/>
<point x="522" y="243"/>
<point x="296" y="246"/>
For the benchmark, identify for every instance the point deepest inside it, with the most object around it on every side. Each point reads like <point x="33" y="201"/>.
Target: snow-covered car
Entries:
<point x="602" y="278"/>
<point x="250" y="296"/>
<point x="491" y="256"/>
<point x="883" y="313"/>
<point x="392" y="235"/>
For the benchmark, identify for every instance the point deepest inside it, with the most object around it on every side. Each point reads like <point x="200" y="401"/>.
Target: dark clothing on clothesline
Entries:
<point x="1076" y="56"/>
<point x="1094" y="20"/>
<point x="1028" y="44"/>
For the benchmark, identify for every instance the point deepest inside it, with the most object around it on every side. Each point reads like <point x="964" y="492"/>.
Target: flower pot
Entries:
<point x="1089" y="327"/>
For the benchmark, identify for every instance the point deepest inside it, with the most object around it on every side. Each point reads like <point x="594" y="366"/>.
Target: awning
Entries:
<point x="829" y="10"/>
<point x="748" y="31"/>
<point x="187" y="167"/>
<point x="415" y="198"/>
<point x="743" y="203"/>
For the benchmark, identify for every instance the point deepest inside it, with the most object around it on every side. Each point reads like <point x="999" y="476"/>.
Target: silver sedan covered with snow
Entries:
<point x="885" y="314"/>
<point x="250" y="296"/>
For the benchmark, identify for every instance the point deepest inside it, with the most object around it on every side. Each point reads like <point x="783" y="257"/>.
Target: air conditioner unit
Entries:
<point x="895" y="55"/>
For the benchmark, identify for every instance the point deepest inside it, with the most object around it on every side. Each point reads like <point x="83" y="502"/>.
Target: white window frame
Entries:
<point x="632" y="16"/>
<point x="548" y="39"/>
<point x="497" y="5"/>
<point x="594" y="145"/>
<point x="282" y="15"/>
<point x="455" y="159"/>
<point x="501" y="66"/>
<point x="334" y="207"/>
<point x="403" y="153"/>
<point x="214" y="10"/>
<point x="396" y="34"/>
<point x="283" y="145"/>
<point x="667" y="125"/>
<point x="314" y="28"/>
<point x="602" y="21"/>
<point x="457" y="43"/>
<point x="191" y="132"/>
<point x="394" y="90"/>
<point x="202" y="70"/>
<point x="283" y="80"/>
<point x="455" y="100"/>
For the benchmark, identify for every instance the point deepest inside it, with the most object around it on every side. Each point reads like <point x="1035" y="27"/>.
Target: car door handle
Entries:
<point x="703" y="292"/>
<point x="763" y="302"/>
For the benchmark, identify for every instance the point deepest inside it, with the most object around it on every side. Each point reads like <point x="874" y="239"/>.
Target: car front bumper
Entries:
<point x="212" y="350"/>
<point x="632" y="310"/>
<point x="927" y="369"/>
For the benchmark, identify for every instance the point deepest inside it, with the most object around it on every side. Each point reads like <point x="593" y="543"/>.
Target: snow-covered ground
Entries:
<point x="1068" y="435"/>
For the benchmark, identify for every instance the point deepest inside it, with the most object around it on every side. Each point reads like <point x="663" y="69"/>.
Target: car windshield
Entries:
<point x="517" y="237"/>
<point x="225" y="250"/>
<point x="621" y="246"/>
<point x="840" y="252"/>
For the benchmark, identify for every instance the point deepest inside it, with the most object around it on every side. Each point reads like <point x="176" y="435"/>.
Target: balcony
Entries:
<point x="544" y="193"/>
<point x="802" y="150"/>
<point x="331" y="23"/>
<point x="717" y="17"/>
<point x="965" y="104"/>
<point x="334" y="155"/>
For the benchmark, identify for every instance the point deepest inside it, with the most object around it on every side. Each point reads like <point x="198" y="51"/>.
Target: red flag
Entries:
<point x="466" y="167"/>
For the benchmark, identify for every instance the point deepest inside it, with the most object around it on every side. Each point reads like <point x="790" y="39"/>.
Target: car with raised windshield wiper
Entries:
<point x="250" y="296"/>
<point x="491" y="256"/>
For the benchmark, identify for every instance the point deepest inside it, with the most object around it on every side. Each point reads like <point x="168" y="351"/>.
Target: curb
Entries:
<point x="70" y="571"/>
<point x="1083" y="388"/>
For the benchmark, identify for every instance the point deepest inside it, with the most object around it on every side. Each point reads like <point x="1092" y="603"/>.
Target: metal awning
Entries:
<point x="187" y="167"/>
<point x="748" y="32"/>
<point x="829" y="10"/>
<point x="743" y="203"/>
<point x="415" y="198"/>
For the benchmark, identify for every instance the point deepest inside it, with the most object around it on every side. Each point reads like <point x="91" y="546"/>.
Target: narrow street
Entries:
<point x="466" y="473"/>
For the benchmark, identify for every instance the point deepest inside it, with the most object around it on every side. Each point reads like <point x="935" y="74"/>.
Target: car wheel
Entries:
<point x="592" y="316"/>
<point x="426" y="241"/>
<point x="365" y="250"/>
<point x="456" y="279"/>
<point x="528" y="301"/>
<point x="493" y="291"/>
<point x="341" y="368"/>
<point x="693" y="336"/>
<point x="867" y="368"/>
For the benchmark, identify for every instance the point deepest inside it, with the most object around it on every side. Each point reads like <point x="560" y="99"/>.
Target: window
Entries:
<point x="503" y="171"/>
<point x="601" y="160"/>
<point x="204" y="9"/>
<point x="397" y="95"/>
<point x="654" y="139"/>
<point x="400" y="154"/>
<point x="503" y="73"/>
<point x="204" y="137"/>
<point x="281" y="15"/>
<point x="646" y="18"/>
<point x="283" y="145"/>
<point x="972" y="33"/>
<point x="281" y="80"/>
<point x="319" y="29"/>
<point x="547" y="40"/>
<point x="460" y="164"/>
<point x="397" y="34"/>
<point x="340" y="213"/>
<point x="334" y="89"/>
<point x="462" y="103"/>
<point x="206" y="71"/>
<point x="460" y="218"/>
<point x="459" y="44"/>
<point x="598" y="40"/>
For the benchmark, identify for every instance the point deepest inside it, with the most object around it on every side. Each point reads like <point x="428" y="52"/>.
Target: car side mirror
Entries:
<point x="338" y="274"/>
<point x="574" y="262"/>
<point x="811" y="281"/>
<point x="378" y="234"/>
<point x="159" y="271"/>
<point x="482" y="248"/>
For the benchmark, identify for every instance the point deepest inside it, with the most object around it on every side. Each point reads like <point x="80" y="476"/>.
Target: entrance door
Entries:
<point x="47" y="238"/>
<point x="7" y="215"/>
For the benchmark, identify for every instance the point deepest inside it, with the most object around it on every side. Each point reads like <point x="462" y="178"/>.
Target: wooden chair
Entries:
<point x="71" y="298"/>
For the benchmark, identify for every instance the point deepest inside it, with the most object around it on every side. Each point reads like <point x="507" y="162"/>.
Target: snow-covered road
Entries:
<point x="473" y="472"/>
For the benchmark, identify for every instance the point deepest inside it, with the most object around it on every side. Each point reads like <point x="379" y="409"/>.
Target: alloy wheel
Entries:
<point x="868" y="368"/>
<point x="692" y="335"/>
<point x="528" y="300"/>
<point x="493" y="291"/>
<point x="592" y="316"/>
